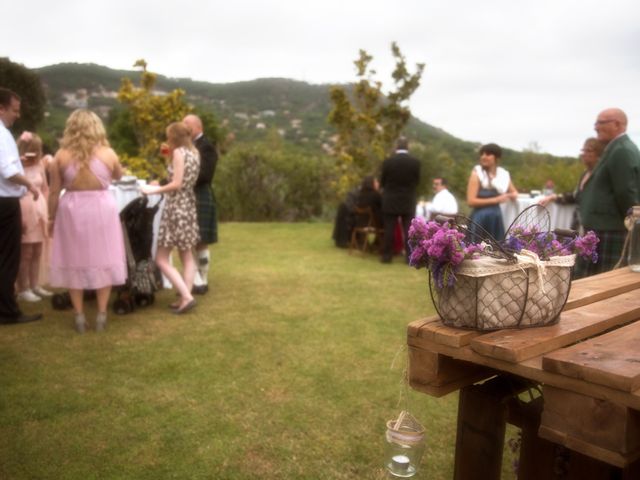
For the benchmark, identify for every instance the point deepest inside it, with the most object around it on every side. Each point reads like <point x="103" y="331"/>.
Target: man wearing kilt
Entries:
<point x="612" y="189"/>
<point x="205" y="202"/>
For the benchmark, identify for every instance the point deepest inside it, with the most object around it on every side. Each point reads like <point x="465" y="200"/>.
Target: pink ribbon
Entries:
<point x="26" y="136"/>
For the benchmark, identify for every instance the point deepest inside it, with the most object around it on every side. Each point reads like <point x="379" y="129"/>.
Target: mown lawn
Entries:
<point x="283" y="371"/>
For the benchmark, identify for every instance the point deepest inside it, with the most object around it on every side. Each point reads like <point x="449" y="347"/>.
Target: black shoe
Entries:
<point x="186" y="308"/>
<point x="20" y="319"/>
<point x="199" y="289"/>
<point x="385" y="260"/>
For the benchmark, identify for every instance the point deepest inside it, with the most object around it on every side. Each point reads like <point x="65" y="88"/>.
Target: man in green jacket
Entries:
<point x="612" y="189"/>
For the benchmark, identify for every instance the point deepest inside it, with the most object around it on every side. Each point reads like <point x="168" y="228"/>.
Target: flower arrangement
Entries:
<point x="547" y="244"/>
<point x="441" y="247"/>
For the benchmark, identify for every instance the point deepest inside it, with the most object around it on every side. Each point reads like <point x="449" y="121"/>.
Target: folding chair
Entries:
<point x="364" y="228"/>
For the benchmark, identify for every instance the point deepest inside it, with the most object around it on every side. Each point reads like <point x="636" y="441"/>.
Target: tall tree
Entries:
<point x="27" y="84"/>
<point x="366" y="120"/>
<point x="150" y="114"/>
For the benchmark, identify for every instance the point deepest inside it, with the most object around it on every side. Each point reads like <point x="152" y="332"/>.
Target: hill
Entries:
<point x="297" y="111"/>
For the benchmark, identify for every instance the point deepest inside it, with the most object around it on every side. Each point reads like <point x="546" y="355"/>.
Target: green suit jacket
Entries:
<point x="613" y="188"/>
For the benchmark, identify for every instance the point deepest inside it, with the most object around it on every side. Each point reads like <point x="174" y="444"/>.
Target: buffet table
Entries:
<point x="582" y="375"/>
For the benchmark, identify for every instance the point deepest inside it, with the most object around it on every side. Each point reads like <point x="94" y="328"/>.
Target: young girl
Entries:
<point x="34" y="221"/>
<point x="178" y="223"/>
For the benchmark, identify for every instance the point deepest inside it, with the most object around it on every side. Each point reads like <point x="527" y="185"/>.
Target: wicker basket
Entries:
<point x="491" y="294"/>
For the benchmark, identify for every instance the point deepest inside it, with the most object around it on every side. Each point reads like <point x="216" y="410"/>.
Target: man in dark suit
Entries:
<point x="205" y="202"/>
<point x="611" y="190"/>
<point x="399" y="180"/>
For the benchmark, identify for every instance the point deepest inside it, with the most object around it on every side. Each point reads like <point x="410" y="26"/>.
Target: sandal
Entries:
<point x="186" y="308"/>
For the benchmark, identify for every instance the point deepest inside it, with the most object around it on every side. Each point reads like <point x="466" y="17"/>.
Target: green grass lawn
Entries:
<point x="283" y="371"/>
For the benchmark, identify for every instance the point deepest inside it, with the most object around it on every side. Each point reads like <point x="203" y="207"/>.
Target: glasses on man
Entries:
<point x="602" y="122"/>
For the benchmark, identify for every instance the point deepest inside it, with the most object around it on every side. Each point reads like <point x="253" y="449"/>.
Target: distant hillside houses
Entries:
<point x="80" y="97"/>
<point x="77" y="99"/>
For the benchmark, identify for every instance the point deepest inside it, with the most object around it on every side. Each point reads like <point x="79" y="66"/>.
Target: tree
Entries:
<point x="28" y="86"/>
<point x="217" y="134"/>
<point x="367" y="121"/>
<point x="121" y="134"/>
<point x="150" y="114"/>
<point x="271" y="181"/>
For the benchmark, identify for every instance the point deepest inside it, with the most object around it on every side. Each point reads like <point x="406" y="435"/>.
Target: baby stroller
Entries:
<point x="62" y="301"/>
<point x="143" y="276"/>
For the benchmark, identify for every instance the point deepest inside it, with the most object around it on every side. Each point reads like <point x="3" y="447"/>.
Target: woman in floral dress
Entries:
<point x="179" y="223"/>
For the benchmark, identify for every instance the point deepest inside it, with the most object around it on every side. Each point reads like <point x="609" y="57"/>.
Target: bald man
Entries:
<point x="611" y="190"/>
<point x="205" y="202"/>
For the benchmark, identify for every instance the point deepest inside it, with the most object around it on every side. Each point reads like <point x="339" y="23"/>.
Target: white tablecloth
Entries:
<point x="561" y="215"/>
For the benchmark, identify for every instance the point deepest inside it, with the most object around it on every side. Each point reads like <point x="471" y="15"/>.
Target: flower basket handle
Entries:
<point x="565" y="232"/>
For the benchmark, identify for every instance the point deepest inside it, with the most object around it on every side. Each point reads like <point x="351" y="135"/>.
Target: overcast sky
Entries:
<point x="508" y="71"/>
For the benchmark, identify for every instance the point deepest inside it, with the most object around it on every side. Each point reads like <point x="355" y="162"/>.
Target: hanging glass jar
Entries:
<point x="405" y="443"/>
<point x="634" y="241"/>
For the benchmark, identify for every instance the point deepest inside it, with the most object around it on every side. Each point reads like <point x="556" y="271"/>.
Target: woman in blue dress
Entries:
<point x="489" y="186"/>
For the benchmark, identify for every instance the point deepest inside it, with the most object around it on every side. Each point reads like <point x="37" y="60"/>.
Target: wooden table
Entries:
<point x="588" y="370"/>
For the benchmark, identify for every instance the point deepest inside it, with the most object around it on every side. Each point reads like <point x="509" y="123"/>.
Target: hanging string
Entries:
<point x="403" y="397"/>
<point x="628" y="223"/>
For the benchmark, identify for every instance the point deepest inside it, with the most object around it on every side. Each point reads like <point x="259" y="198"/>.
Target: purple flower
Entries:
<point x="440" y="248"/>
<point x="472" y="250"/>
<point x="587" y="246"/>
<point x="547" y="245"/>
<point x="514" y="243"/>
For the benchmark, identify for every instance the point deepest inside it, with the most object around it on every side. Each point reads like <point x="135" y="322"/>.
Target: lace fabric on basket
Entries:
<point x="492" y="294"/>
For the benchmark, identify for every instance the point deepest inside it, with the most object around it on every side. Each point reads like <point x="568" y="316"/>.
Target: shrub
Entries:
<point x="263" y="182"/>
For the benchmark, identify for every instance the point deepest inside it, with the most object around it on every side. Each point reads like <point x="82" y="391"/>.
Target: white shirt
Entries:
<point x="10" y="165"/>
<point x="500" y="182"/>
<point x="444" y="203"/>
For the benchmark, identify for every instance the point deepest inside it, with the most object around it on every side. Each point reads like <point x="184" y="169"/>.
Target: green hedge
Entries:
<point x="266" y="182"/>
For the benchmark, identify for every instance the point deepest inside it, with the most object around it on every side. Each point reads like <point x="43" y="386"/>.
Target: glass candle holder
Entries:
<point x="404" y="448"/>
<point x="633" y="256"/>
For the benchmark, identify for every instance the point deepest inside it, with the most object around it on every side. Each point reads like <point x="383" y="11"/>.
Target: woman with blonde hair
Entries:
<point x="34" y="222"/>
<point x="88" y="246"/>
<point x="179" y="222"/>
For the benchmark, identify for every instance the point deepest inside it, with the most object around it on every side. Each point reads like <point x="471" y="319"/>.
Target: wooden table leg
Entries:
<point x="537" y="456"/>
<point x="482" y="418"/>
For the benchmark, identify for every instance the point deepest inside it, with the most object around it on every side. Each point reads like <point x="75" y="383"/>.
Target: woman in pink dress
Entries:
<point x="34" y="221"/>
<point x="88" y="245"/>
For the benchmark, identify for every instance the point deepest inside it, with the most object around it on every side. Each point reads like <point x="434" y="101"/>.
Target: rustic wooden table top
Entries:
<point x="593" y="350"/>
